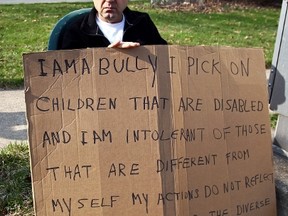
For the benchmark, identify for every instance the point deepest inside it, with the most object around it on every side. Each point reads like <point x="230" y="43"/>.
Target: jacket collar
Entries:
<point x="90" y="27"/>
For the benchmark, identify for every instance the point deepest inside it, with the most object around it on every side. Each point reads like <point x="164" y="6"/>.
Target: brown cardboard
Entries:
<point x="155" y="130"/>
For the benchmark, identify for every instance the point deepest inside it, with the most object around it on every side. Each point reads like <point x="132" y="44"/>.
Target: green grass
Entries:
<point x="273" y="120"/>
<point x="25" y="28"/>
<point x="15" y="183"/>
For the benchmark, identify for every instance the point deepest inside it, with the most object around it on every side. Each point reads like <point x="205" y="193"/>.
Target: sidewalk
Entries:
<point x="13" y="126"/>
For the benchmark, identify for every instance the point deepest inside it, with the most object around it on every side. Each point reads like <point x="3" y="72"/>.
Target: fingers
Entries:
<point x="114" y="44"/>
<point x="124" y="45"/>
<point x="129" y="45"/>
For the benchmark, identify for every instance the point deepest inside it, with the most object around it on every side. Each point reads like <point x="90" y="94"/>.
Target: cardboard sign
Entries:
<point x="155" y="130"/>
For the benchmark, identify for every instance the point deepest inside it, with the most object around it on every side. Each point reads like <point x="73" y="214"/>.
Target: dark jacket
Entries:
<point x="85" y="32"/>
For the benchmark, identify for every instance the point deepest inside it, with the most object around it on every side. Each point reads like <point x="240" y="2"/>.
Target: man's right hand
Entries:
<point x="124" y="45"/>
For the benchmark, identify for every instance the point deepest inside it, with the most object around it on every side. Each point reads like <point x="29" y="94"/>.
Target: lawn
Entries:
<point x="25" y="28"/>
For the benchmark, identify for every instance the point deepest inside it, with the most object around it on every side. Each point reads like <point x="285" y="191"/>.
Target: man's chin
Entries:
<point x="111" y="17"/>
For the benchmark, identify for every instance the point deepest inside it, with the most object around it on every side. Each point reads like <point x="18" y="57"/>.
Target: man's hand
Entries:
<point x="124" y="45"/>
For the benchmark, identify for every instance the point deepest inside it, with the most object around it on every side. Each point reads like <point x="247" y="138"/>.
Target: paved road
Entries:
<point x="39" y="1"/>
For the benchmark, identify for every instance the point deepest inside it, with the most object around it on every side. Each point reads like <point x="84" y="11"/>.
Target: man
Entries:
<point x="111" y="24"/>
